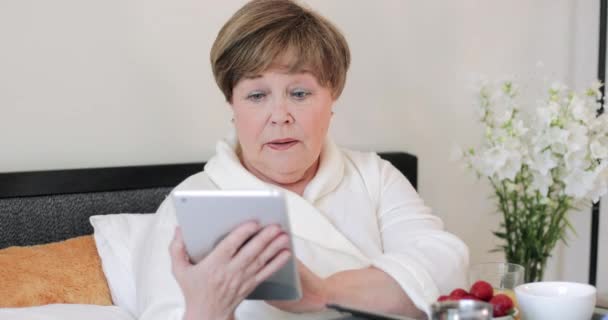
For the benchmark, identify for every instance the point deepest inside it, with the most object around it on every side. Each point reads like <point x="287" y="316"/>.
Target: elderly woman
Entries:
<point x="362" y="236"/>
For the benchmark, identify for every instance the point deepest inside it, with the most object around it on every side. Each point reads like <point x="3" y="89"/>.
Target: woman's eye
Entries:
<point x="256" y="96"/>
<point x="300" y="94"/>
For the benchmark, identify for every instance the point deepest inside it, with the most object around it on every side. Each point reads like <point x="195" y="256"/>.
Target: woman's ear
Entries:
<point x="231" y="106"/>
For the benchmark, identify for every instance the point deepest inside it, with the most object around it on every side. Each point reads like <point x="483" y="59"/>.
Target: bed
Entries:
<point x="47" y="206"/>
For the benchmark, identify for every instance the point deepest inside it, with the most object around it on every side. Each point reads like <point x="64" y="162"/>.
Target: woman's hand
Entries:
<point x="215" y="286"/>
<point x="314" y="293"/>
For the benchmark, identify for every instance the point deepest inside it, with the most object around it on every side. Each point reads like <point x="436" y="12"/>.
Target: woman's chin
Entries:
<point x="286" y="177"/>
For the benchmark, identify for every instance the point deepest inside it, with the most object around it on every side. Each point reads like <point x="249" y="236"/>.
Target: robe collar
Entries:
<point x="306" y="221"/>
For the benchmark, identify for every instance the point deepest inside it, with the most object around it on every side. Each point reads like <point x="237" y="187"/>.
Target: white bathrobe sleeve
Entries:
<point x="423" y="258"/>
<point x="158" y="294"/>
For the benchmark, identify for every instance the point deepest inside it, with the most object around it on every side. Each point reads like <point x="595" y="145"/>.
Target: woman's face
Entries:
<point x="281" y="121"/>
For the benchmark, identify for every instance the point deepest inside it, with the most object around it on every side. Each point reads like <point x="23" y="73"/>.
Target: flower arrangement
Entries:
<point x="541" y="164"/>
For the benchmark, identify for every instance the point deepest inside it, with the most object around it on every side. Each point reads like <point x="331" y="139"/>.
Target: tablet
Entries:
<point x="207" y="216"/>
<point x="364" y="314"/>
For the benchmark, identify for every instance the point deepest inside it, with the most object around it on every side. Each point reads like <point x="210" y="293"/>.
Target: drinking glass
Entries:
<point x="502" y="276"/>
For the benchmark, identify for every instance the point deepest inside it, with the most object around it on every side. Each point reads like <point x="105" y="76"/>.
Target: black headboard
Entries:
<point x="46" y="206"/>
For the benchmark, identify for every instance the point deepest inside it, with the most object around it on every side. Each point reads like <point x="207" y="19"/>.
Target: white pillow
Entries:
<point x="66" y="312"/>
<point x="118" y="237"/>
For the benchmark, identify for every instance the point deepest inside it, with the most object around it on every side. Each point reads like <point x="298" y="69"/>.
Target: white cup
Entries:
<point x="556" y="300"/>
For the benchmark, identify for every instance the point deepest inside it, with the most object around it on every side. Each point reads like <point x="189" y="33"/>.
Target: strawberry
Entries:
<point x="443" y="298"/>
<point x="482" y="290"/>
<point x="469" y="297"/>
<point x="502" y="305"/>
<point x="458" y="293"/>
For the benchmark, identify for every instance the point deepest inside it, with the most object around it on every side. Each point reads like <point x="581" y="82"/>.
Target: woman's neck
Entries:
<point x="297" y="186"/>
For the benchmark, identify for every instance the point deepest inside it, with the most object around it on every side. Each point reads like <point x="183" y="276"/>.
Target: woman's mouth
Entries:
<point x="282" y="144"/>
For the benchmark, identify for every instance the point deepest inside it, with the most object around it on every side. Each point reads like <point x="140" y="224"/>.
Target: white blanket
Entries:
<point x="357" y="211"/>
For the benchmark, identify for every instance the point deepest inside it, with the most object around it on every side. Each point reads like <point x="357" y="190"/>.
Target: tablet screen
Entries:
<point x="207" y="216"/>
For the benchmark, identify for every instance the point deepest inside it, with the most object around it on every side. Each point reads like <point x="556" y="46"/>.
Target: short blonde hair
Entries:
<point x="263" y="31"/>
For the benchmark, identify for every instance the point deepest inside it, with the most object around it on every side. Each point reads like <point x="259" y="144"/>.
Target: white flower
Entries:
<point x="598" y="151"/>
<point x="519" y="128"/>
<point x="599" y="128"/>
<point x="511" y="168"/>
<point x="498" y="135"/>
<point x="561" y="141"/>
<point x="594" y="90"/>
<point x="598" y="125"/>
<point x="577" y="139"/>
<point x="514" y="144"/>
<point x="492" y="160"/>
<point x="555" y="138"/>
<point x="548" y="114"/>
<point x="503" y="117"/>
<point x="558" y="139"/>
<point x="600" y="187"/>
<point x="543" y="162"/>
<point x="541" y="182"/>
<point x="603" y="122"/>
<point x="576" y="160"/>
<point x="580" y="110"/>
<point x="501" y="161"/>
<point x="513" y="161"/>
<point x="579" y="183"/>
<point x="558" y="92"/>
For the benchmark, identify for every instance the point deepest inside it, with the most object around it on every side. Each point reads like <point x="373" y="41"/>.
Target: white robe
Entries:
<point x="357" y="211"/>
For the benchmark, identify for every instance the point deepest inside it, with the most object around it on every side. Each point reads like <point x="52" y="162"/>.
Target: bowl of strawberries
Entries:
<point x="502" y="305"/>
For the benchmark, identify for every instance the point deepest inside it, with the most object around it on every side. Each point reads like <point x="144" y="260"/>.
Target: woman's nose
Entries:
<point x="279" y="113"/>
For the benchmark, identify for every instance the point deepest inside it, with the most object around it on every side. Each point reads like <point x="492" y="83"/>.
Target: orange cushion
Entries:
<point x="61" y="272"/>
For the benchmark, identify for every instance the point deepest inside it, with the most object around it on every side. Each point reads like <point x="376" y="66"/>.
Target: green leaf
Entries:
<point x="501" y="235"/>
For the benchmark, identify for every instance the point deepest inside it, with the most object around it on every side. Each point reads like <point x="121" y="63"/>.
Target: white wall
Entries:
<point x="88" y="83"/>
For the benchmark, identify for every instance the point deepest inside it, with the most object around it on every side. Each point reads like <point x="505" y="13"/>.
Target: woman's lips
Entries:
<point x="282" y="144"/>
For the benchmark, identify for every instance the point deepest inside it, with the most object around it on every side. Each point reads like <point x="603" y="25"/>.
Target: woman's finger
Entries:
<point x="251" y="282"/>
<point x="177" y="250"/>
<point x="280" y="242"/>
<point x="273" y="266"/>
<point x="250" y="253"/>
<point x="230" y="245"/>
